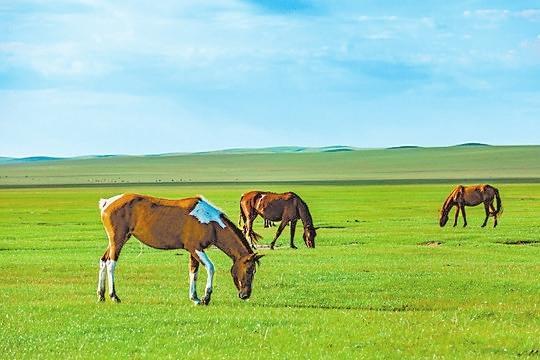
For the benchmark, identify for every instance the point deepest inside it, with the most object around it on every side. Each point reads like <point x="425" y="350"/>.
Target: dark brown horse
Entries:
<point x="287" y="208"/>
<point x="473" y="195"/>
<point x="192" y="224"/>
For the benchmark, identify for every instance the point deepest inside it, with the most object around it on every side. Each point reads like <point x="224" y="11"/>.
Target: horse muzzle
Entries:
<point x="244" y="295"/>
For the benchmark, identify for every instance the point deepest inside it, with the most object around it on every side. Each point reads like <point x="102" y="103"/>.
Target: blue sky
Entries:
<point x="135" y="77"/>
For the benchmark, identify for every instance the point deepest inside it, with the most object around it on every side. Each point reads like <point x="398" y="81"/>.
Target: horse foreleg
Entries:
<point x="456" y="216"/>
<point x="193" y="275"/>
<point x="278" y="233"/>
<point x="293" y="229"/>
<point x="486" y="208"/>
<point x="210" y="275"/>
<point x="464" y="215"/>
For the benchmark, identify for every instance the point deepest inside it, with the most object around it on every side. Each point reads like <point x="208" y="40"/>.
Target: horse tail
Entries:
<point x="499" y="209"/>
<point x="242" y="216"/>
<point x="102" y="203"/>
<point x="254" y="237"/>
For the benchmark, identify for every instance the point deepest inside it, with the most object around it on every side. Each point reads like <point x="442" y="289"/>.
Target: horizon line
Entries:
<point x="246" y="150"/>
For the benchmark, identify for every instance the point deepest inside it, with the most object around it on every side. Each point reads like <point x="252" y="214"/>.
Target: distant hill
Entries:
<point x="30" y="159"/>
<point x="239" y="151"/>
<point x="280" y="150"/>
<point x="454" y="164"/>
<point x="337" y="148"/>
<point x="4" y="159"/>
<point x="404" y="147"/>
<point x="471" y="144"/>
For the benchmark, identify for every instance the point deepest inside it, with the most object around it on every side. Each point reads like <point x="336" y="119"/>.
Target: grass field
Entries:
<point x="384" y="281"/>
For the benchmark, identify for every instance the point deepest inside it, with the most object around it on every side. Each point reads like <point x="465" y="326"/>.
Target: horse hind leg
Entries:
<point x="102" y="274"/>
<point x="486" y="207"/>
<point x="119" y="238"/>
<point x="494" y="212"/>
<point x="248" y="230"/>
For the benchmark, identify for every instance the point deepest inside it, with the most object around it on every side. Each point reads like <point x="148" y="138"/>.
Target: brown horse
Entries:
<point x="192" y="224"/>
<point x="287" y="208"/>
<point x="474" y="195"/>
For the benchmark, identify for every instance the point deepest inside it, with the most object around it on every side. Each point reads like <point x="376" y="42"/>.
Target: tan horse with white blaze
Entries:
<point x="192" y="224"/>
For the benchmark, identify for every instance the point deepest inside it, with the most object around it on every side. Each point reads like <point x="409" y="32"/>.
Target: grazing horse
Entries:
<point x="192" y="224"/>
<point x="287" y="208"/>
<point x="473" y="195"/>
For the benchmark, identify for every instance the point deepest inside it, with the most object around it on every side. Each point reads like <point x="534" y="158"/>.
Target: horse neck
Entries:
<point x="448" y="203"/>
<point x="304" y="214"/>
<point x="232" y="242"/>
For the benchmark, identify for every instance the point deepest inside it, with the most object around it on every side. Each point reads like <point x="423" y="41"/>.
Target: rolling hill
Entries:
<point x="336" y="163"/>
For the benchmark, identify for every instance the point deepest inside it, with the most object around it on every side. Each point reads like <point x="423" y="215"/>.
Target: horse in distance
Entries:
<point x="192" y="224"/>
<point x="287" y="208"/>
<point x="473" y="195"/>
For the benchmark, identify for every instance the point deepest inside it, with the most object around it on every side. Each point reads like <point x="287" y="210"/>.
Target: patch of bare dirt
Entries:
<point x="430" y="243"/>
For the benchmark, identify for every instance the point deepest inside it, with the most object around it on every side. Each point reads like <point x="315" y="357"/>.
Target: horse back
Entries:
<point x="159" y="223"/>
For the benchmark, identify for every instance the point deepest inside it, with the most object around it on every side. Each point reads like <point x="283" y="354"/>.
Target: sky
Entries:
<point x="145" y="77"/>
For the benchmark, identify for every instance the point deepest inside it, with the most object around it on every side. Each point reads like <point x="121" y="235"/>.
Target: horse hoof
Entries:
<point x="197" y="302"/>
<point x="294" y="247"/>
<point x="115" y="299"/>
<point x="101" y="298"/>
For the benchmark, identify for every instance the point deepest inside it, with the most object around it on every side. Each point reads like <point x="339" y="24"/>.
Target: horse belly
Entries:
<point x="159" y="235"/>
<point x="272" y="214"/>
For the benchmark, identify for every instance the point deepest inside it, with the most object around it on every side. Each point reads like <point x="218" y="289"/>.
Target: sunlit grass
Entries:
<point x="371" y="288"/>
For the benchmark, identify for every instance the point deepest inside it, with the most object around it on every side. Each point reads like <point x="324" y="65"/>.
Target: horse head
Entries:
<point x="443" y="217"/>
<point x="309" y="236"/>
<point x="242" y="272"/>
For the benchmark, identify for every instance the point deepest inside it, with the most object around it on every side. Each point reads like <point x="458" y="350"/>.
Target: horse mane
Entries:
<point x="304" y="212"/>
<point x="451" y="197"/>
<point x="237" y="232"/>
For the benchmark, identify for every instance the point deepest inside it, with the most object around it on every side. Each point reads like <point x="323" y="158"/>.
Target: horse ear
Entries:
<point x="255" y="257"/>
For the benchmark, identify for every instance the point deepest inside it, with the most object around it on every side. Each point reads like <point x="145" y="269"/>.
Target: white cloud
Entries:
<point x="503" y="14"/>
<point x="57" y="59"/>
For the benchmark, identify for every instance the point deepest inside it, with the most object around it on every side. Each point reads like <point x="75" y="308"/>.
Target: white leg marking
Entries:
<point x="101" y="278"/>
<point x="209" y="266"/>
<point x="111" y="264"/>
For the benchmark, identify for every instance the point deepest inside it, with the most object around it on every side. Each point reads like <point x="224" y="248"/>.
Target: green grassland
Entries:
<point x="460" y="162"/>
<point x="385" y="281"/>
